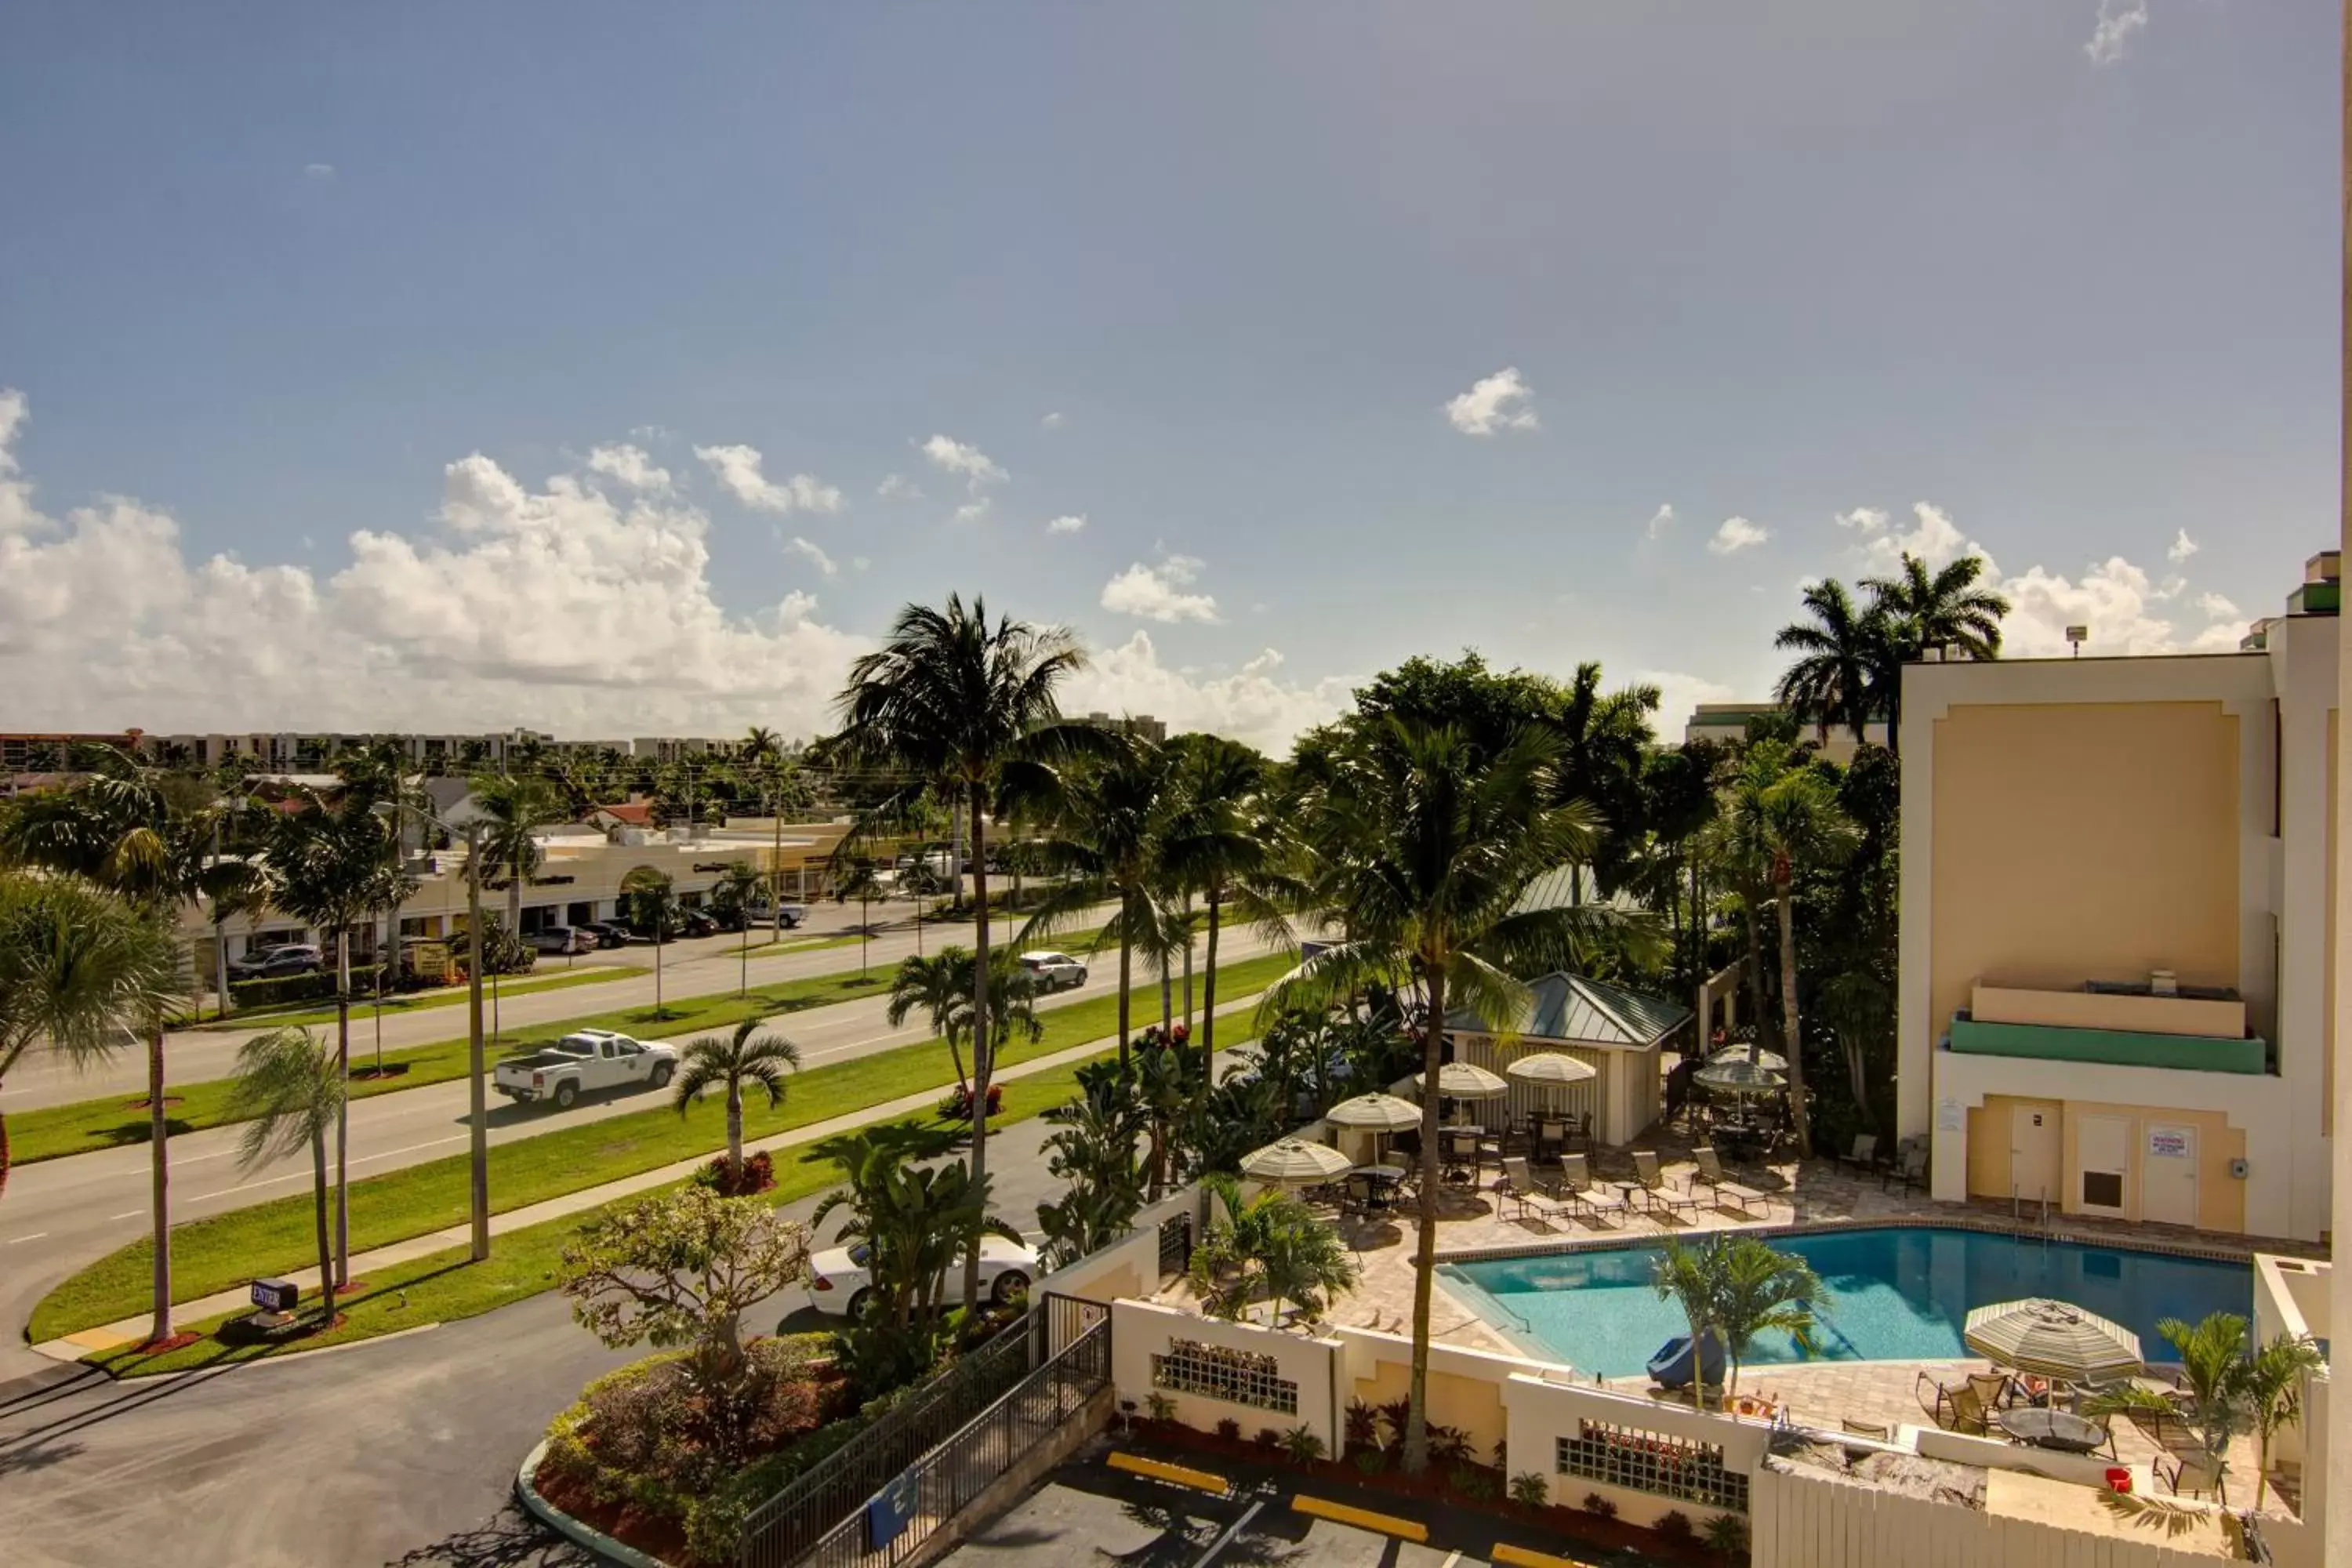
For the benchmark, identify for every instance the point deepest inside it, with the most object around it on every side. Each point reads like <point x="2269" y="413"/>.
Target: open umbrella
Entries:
<point x="1460" y="1081"/>
<point x="1551" y="1069"/>
<point x="1737" y="1074"/>
<point x="2053" y="1338"/>
<point x="1294" y="1163"/>
<point x="1377" y="1112"/>
<point x="1762" y="1057"/>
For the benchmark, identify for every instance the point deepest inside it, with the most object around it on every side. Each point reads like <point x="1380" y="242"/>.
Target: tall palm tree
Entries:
<point x="944" y="986"/>
<point x="1605" y="738"/>
<point x="1425" y="843"/>
<point x="1227" y="841"/>
<point x="1783" y="817"/>
<point x="146" y="835"/>
<point x="769" y="768"/>
<point x="863" y="885"/>
<point x="730" y="900"/>
<point x="1733" y="1289"/>
<point x="751" y="1056"/>
<point x="1844" y="654"/>
<point x="651" y="899"/>
<point x="1924" y="609"/>
<point x="80" y="971"/>
<point x="516" y="806"/>
<point x="952" y="701"/>
<point x="289" y="1089"/>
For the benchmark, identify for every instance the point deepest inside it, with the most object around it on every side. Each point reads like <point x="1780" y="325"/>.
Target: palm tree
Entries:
<point x="753" y="1055"/>
<point x="1425" y="842"/>
<point x="652" y="900"/>
<point x="945" y="987"/>
<point x="1840" y="676"/>
<point x="863" y="885"/>
<point x="1273" y="1244"/>
<point x="2272" y="1387"/>
<point x="913" y="1216"/>
<point x="952" y="702"/>
<point x="2215" y="1365"/>
<point x="1227" y="842"/>
<point x="770" y="769"/>
<point x="232" y="887"/>
<point x="1735" y="1288"/>
<point x="1688" y="1277"/>
<point x="515" y="806"/>
<point x="1092" y="1150"/>
<point x="290" y="1091"/>
<point x="1923" y="609"/>
<point x="730" y="900"/>
<point x="79" y="970"/>
<point x="1605" y="738"/>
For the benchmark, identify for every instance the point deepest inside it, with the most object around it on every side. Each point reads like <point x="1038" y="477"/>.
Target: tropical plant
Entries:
<point x="1760" y="1290"/>
<point x="514" y="808"/>
<point x="1424" y="843"/>
<point x="651" y="899"/>
<point x="949" y="700"/>
<point x="81" y="972"/>
<point x="1092" y="1151"/>
<point x="1689" y="1276"/>
<point x="1726" y="1535"/>
<point x="1273" y="1245"/>
<point x="1219" y="1128"/>
<point x="1840" y="674"/>
<point x="768" y="766"/>
<point x="2273" y="1385"/>
<point x="731" y="904"/>
<point x="863" y="884"/>
<point x="1225" y="839"/>
<point x="289" y="1092"/>
<point x="912" y="1216"/>
<point x="1605" y="740"/>
<point x="943" y="987"/>
<point x="752" y="1056"/>
<point x="1921" y="609"/>
<point x="2217" y="1367"/>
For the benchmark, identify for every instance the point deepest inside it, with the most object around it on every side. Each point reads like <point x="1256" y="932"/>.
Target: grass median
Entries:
<point x="291" y="1013"/>
<point x="224" y="1251"/>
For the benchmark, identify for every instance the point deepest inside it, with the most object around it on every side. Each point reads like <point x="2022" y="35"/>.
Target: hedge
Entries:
<point x="318" y="986"/>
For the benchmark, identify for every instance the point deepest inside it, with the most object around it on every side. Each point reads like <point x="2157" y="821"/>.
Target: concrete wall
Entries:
<point x="1466" y="1387"/>
<point x="2081" y="1009"/>
<point x="1541" y="1411"/>
<point x="1142" y="1330"/>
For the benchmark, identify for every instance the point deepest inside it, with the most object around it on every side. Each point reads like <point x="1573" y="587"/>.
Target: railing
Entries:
<point x="1175" y="1243"/>
<point x="900" y="1517"/>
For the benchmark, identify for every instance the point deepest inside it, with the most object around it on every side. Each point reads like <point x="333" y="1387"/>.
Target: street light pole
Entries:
<point x="479" y="1118"/>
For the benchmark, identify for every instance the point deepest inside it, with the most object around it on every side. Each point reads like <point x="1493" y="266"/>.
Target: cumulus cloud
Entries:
<point x="897" y="487"/>
<point x="811" y="553"/>
<point x="1051" y="422"/>
<point x="2216" y="608"/>
<point x="1252" y="704"/>
<point x="975" y="467"/>
<point x="973" y="510"/>
<point x="1156" y="593"/>
<point x="2118" y="20"/>
<point x="1737" y="534"/>
<point x="318" y="171"/>
<point x="1069" y="523"/>
<point x="1499" y="402"/>
<point x="1679" y="695"/>
<point x="1659" y="520"/>
<point x="630" y="466"/>
<point x="2181" y="548"/>
<point x="738" y="470"/>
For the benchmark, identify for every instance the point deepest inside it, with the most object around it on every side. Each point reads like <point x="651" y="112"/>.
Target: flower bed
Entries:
<point x="758" y="1175"/>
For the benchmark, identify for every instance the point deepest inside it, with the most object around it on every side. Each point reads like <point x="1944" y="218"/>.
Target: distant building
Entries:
<point x="1726" y="723"/>
<point x="1142" y="725"/>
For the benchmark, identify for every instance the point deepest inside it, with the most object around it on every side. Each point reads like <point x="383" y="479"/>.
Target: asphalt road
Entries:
<point x="398" y="1451"/>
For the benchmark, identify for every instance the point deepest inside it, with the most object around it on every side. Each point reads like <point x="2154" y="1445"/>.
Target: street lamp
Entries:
<point x="478" y="1115"/>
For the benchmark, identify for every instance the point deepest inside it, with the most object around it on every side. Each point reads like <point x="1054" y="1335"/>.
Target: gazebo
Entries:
<point x="1617" y="1032"/>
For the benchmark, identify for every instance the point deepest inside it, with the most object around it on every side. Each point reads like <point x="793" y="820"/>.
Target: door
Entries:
<point x="2103" y="1147"/>
<point x="2033" y="1151"/>
<point x="2168" y="1173"/>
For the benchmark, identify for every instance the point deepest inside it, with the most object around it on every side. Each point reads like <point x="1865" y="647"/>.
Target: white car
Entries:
<point x="838" y="1281"/>
<point x="1054" y="970"/>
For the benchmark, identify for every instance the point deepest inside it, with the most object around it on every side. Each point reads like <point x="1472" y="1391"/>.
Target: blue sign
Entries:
<point x="892" y="1509"/>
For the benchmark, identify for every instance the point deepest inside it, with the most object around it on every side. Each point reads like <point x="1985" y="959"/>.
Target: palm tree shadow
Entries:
<point x="509" y="1539"/>
<point x="124" y="1133"/>
<point x="2157" y="1515"/>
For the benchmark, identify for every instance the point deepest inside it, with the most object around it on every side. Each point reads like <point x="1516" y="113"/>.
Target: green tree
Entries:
<point x="1605" y="740"/>
<point x="517" y="807"/>
<point x="863" y="885"/>
<point x="289" y="1093"/>
<point x="2273" y="1385"/>
<point x="1225" y="841"/>
<point x="1921" y="609"/>
<point x="943" y="987"/>
<point x="2216" y="1365"/>
<point x="1092" y="1151"/>
<point x="1424" y="843"/>
<point x="1760" y="1290"/>
<point x="80" y="971"/>
<point x="1843" y="656"/>
<point x="651" y="899"/>
<point x="731" y="904"/>
<point x="1689" y="1276"/>
<point x="952" y="702"/>
<point x="912" y="1216"/>
<point x="1274" y="1246"/>
<point x="753" y="1055"/>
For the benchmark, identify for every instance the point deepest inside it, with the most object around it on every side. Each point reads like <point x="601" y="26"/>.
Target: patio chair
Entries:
<point x="1655" y="1187"/>
<point x="1863" y="1153"/>
<point x="1712" y="1176"/>
<point x="1993" y="1389"/>
<point x="1576" y="1189"/>
<point x="2197" y="1472"/>
<point x="1551" y="1137"/>
<point x="1516" y="1184"/>
<point x="1360" y="1198"/>
<point x="1910" y="1168"/>
<point x="1955" y="1409"/>
<point x="2165" y="1429"/>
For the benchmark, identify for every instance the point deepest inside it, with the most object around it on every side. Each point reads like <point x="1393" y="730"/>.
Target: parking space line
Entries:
<point x="1233" y="1529"/>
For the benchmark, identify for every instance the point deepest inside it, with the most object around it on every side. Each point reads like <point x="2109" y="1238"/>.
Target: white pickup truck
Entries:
<point x="580" y="1063"/>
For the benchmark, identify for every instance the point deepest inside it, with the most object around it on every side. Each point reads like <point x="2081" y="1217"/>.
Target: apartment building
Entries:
<point x="2115" y="995"/>
<point x="1726" y="724"/>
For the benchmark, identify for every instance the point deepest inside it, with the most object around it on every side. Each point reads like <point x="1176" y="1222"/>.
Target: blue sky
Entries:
<point x="350" y="301"/>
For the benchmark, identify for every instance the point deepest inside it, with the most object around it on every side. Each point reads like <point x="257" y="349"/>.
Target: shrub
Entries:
<point x="1451" y="1445"/>
<point x="1361" y="1426"/>
<point x="1162" y="1407"/>
<point x="1472" y="1482"/>
<point x="1675" y="1525"/>
<point x="1599" y="1506"/>
<point x="1301" y="1446"/>
<point x="759" y="1175"/>
<point x="317" y="987"/>
<point x="1230" y="1430"/>
<point x="1371" y="1461"/>
<point x="1393" y="1417"/>
<point x="714" y="1526"/>
<point x="1530" y="1487"/>
<point x="1727" y="1534"/>
<point x="1268" y="1437"/>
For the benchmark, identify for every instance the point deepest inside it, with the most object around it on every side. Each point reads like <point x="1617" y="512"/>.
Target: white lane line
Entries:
<point x="305" y="1176"/>
<point x="20" y="1240"/>
<point x="127" y="1213"/>
<point x="1235" y="1529"/>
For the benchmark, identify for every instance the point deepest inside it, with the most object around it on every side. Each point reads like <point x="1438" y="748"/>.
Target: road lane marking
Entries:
<point x="1233" y="1529"/>
<point x="127" y="1213"/>
<point x="305" y="1176"/>
<point x="20" y="1240"/>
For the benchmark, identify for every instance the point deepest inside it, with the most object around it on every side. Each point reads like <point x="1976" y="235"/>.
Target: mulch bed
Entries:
<point x="179" y="1340"/>
<point x="649" y="1532"/>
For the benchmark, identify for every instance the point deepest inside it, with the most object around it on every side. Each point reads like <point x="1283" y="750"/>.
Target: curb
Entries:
<point x="570" y="1529"/>
<point x="281" y="1359"/>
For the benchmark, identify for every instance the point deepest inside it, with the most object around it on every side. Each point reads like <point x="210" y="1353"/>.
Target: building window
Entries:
<point x="1236" y="1377"/>
<point x="2103" y="1189"/>
<point x="1645" y="1461"/>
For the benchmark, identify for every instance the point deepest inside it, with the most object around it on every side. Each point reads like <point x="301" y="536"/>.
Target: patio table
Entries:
<point x="2046" y="1428"/>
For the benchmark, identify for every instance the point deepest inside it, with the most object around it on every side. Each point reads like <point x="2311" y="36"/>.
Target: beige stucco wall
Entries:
<point x="2107" y="1010"/>
<point x="2081" y="841"/>
<point x="2327" y="1023"/>
<point x="2220" y="1197"/>
<point x="1470" y="1404"/>
<point x="1989" y="1130"/>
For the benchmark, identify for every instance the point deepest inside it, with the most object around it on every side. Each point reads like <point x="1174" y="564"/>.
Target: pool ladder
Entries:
<point x="2017" y="1216"/>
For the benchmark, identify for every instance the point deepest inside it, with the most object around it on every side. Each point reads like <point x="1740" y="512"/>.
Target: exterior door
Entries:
<point x="2104" y="1149"/>
<point x="2168" y="1173"/>
<point x="2033" y="1159"/>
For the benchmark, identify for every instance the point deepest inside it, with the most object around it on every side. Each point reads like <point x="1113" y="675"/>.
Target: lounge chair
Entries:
<point x="1712" y="1176"/>
<point x="2196" y="1472"/>
<point x="1862" y="1155"/>
<point x="1523" y="1189"/>
<point x="1910" y="1168"/>
<point x="1575" y="1188"/>
<point x="1655" y="1187"/>
<point x="1955" y="1409"/>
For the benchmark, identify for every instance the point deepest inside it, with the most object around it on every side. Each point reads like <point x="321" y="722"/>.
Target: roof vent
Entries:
<point x="2163" y="983"/>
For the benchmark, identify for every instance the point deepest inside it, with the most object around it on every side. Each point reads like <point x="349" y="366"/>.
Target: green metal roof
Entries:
<point x="1582" y="1011"/>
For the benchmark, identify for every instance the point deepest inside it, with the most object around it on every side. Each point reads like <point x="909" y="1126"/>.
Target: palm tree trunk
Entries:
<point x="983" y="1052"/>
<point x="1424" y="1261"/>
<point x="158" y="1167"/>
<point x="1188" y="962"/>
<point x="1798" y="1111"/>
<point x="1208" y="1000"/>
<point x="319" y="1218"/>
<point x="3" y="1155"/>
<point x="1125" y="956"/>
<point x="343" y="1110"/>
<point x="220" y="966"/>
<point x="735" y="1130"/>
<point x="1755" y="965"/>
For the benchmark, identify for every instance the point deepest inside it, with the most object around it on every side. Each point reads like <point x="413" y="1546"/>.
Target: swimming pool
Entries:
<point x="1893" y="1293"/>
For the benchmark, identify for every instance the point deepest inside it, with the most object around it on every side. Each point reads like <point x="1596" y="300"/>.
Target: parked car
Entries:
<point x="300" y="958"/>
<point x="695" y="923"/>
<point x="582" y="1063"/>
<point x="1054" y="970"/>
<point x="561" y="939"/>
<point x="765" y="915"/>
<point x="839" y="1282"/>
<point x="611" y="934"/>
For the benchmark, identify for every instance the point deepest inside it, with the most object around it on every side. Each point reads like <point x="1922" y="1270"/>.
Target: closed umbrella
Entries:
<point x="1294" y="1163"/>
<point x="2054" y="1339"/>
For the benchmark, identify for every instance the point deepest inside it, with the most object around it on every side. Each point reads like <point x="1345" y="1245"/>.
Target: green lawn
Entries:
<point x="226" y="1250"/>
<point x="287" y="1014"/>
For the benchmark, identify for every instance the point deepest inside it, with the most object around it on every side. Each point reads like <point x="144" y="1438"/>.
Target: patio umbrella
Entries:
<point x="1763" y="1057"/>
<point x="1460" y="1081"/>
<point x="1551" y="1069"/>
<point x="2053" y="1338"/>
<point x="1739" y="1075"/>
<point x="1294" y="1163"/>
<point x="1377" y="1112"/>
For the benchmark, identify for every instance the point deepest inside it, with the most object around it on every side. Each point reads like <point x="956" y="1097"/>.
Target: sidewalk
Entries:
<point x="131" y="1331"/>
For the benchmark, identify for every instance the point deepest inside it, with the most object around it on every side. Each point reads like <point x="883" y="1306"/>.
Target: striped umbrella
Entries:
<point x="1461" y="1080"/>
<point x="1380" y="1112"/>
<point x="1550" y="1067"/>
<point x="1294" y="1163"/>
<point x="2054" y="1339"/>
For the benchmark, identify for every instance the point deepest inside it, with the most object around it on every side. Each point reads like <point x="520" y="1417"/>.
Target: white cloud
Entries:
<point x="738" y="471"/>
<point x="1254" y="704"/>
<point x="1156" y="593"/>
<point x="976" y="467"/>
<point x="1500" y="400"/>
<point x="815" y="557"/>
<point x="318" y="171"/>
<point x="1866" y="521"/>
<point x="1933" y="537"/>
<point x="1679" y="695"/>
<point x="1736" y="534"/>
<point x="2181" y="548"/>
<point x="1069" y="523"/>
<point x="1659" y="520"/>
<point x="897" y="487"/>
<point x="2118" y="20"/>
<point x="973" y="510"/>
<point x="630" y="466"/>
<point x="2216" y="608"/>
<point x="1051" y="422"/>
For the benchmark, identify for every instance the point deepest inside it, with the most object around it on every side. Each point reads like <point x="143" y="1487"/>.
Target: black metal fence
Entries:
<point x="1175" y="1243"/>
<point x="900" y="1517"/>
<point x="783" y="1530"/>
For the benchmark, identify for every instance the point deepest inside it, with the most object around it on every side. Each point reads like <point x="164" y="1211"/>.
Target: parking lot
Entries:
<point x="1085" y="1514"/>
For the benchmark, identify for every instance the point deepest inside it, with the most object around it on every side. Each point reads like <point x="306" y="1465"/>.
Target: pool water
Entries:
<point x="1891" y="1293"/>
